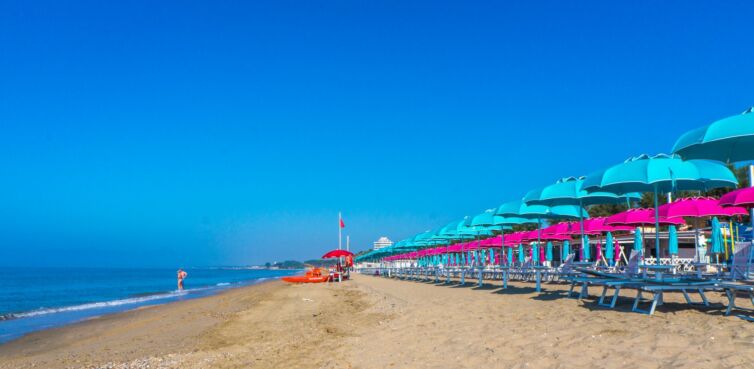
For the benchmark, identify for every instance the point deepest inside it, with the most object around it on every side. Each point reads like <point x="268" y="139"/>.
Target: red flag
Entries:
<point x="342" y="225"/>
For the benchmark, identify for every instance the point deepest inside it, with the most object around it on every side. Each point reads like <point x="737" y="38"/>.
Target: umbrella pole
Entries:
<point x="696" y="240"/>
<point x="581" y="226"/>
<point x="657" y="228"/>
<point x="751" y="214"/>
<point x="539" y="238"/>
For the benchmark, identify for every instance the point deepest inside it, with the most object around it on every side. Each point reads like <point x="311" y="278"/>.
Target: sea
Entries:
<point x="33" y="299"/>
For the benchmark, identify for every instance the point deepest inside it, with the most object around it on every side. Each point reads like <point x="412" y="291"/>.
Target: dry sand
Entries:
<point x="378" y="323"/>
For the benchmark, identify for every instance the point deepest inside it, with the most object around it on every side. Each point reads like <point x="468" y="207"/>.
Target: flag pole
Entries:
<point x="340" y="239"/>
<point x="348" y="243"/>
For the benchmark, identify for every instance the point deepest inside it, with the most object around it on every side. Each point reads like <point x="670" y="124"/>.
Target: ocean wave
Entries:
<point x="95" y="305"/>
<point x="136" y="299"/>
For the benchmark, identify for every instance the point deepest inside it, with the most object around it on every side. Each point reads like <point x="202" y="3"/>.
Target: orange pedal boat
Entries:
<point x="313" y="275"/>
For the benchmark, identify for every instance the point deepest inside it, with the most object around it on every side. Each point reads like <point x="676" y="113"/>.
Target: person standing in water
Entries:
<point x="181" y="276"/>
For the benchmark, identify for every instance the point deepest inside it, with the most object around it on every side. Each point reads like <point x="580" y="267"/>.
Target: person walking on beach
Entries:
<point x="181" y="276"/>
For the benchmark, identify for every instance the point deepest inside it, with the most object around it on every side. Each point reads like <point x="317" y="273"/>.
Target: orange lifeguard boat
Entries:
<point x="313" y="275"/>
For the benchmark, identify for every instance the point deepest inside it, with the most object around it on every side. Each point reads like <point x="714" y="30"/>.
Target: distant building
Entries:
<point x="382" y="242"/>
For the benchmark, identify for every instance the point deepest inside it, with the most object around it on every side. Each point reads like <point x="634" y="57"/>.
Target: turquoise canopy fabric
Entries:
<point x="672" y="240"/>
<point x="510" y="255"/>
<point x="548" y="251"/>
<point x="728" y="140"/>
<point x="609" y="247"/>
<point x="638" y="242"/>
<point x="566" y="249"/>
<point x="509" y="221"/>
<point x="660" y="173"/>
<point x="569" y="191"/>
<point x="519" y="209"/>
<point x="717" y="237"/>
<point x="587" y="249"/>
<point x="535" y="253"/>
<point x="521" y="256"/>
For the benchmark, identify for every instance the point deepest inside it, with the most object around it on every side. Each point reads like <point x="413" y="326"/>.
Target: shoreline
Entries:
<point x="18" y="324"/>
<point x="373" y="322"/>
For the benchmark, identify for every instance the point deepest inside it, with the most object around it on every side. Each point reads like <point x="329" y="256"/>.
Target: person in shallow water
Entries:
<point x="181" y="276"/>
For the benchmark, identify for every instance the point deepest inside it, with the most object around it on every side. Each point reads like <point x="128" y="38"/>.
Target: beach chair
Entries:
<point x="731" y="291"/>
<point x="594" y="277"/>
<point x="563" y="271"/>
<point x="741" y="267"/>
<point x="740" y="271"/>
<point x="658" y="289"/>
<point x="524" y="271"/>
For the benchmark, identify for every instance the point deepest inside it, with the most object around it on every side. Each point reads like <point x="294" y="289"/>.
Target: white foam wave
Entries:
<point x="97" y="305"/>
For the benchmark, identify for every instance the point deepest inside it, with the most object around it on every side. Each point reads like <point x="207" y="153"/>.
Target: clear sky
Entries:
<point x="231" y="132"/>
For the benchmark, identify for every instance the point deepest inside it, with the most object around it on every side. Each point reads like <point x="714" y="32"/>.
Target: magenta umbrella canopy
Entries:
<point x="530" y="236"/>
<point x="736" y="210"/>
<point x="695" y="207"/>
<point x="455" y="248"/>
<point x="560" y="229"/>
<point x="599" y="225"/>
<point x="639" y="217"/>
<point x="740" y="197"/>
<point x="492" y="242"/>
<point x="514" y="238"/>
<point x="473" y="245"/>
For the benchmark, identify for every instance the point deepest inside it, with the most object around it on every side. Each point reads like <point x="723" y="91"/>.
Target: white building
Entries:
<point x="382" y="242"/>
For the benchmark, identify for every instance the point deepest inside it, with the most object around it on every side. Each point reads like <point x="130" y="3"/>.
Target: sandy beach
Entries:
<point x="373" y="322"/>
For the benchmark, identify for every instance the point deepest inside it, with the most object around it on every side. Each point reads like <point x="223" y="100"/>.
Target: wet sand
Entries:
<point x="379" y="323"/>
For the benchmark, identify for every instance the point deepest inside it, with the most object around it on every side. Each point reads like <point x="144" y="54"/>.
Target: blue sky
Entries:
<point x="207" y="133"/>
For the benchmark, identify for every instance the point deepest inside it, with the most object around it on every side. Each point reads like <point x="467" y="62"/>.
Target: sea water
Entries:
<point x="32" y="299"/>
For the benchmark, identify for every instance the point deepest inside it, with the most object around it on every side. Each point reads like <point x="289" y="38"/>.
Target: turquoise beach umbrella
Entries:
<point x="548" y="251"/>
<point x="569" y="191"/>
<point x="610" y="247"/>
<point x="488" y="220"/>
<point x="521" y="257"/>
<point x="587" y="249"/>
<point x="717" y="237"/>
<point x="672" y="240"/>
<point x="566" y="249"/>
<point x="510" y="255"/>
<point x="539" y="212"/>
<point x="535" y="252"/>
<point x="660" y="173"/>
<point x="638" y="242"/>
<point x="728" y="140"/>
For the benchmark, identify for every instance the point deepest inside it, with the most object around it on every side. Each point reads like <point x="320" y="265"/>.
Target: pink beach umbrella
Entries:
<point x="741" y="197"/>
<point x="559" y="229"/>
<point x="599" y="225"/>
<point x="511" y="239"/>
<point x="698" y="207"/>
<point x="694" y="207"/>
<point x="638" y="217"/>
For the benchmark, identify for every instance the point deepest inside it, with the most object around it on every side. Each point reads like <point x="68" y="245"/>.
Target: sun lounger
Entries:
<point x="733" y="289"/>
<point x="658" y="291"/>
<point x="565" y="269"/>
<point x="593" y="277"/>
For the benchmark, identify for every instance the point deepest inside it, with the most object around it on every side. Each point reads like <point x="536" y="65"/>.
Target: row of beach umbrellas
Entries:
<point x="697" y="163"/>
